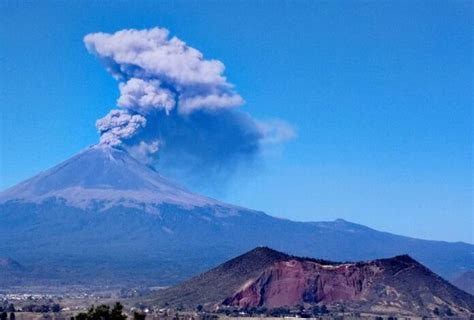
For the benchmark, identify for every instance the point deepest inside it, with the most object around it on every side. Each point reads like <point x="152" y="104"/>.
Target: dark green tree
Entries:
<point x="316" y="311"/>
<point x="116" y="313"/>
<point x="80" y="316"/>
<point x="12" y="316"/>
<point x="55" y="308"/>
<point x="3" y="315"/>
<point x="139" y="316"/>
<point x="324" y="309"/>
<point x="103" y="312"/>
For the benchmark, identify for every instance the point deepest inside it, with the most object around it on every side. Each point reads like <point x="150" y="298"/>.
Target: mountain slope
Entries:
<point x="103" y="216"/>
<point x="103" y="174"/>
<point x="10" y="265"/>
<point x="230" y="275"/>
<point x="267" y="278"/>
<point x="465" y="281"/>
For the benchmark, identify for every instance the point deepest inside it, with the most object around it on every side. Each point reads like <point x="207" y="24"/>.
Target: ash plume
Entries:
<point x="176" y="109"/>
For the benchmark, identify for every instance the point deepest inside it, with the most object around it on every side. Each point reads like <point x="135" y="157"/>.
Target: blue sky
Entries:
<point x="380" y="94"/>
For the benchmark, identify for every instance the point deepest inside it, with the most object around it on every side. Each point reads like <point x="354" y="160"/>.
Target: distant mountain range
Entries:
<point x="465" y="281"/>
<point x="104" y="217"/>
<point x="267" y="278"/>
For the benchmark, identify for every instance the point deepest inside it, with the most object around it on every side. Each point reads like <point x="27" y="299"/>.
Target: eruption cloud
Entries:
<point x="177" y="109"/>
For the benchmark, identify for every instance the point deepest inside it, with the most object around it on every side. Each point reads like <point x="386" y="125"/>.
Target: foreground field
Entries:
<point x="196" y="316"/>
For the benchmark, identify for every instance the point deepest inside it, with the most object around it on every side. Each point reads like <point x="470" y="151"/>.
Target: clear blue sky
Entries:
<point x="380" y="93"/>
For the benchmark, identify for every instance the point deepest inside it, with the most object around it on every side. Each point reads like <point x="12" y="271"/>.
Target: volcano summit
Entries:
<point x="102" y="177"/>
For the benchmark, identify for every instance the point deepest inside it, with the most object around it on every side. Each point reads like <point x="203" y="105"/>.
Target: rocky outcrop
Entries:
<point x="288" y="283"/>
<point x="398" y="285"/>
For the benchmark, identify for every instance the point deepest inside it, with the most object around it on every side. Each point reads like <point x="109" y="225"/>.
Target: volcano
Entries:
<point x="104" y="176"/>
<point x="104" y="217"/>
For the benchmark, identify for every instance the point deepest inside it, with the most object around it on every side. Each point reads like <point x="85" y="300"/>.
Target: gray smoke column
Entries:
<point x="176" y="108"/>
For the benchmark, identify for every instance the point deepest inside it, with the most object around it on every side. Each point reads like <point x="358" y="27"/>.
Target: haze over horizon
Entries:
<point x="376" y="120"/>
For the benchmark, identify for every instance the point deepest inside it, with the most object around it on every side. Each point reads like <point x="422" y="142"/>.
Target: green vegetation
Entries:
<point x="139" y="316"/>
<point x="42" y="308"/>
<point x="103" y="312"/>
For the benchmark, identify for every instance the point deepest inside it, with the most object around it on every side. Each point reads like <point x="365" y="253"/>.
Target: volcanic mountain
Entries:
<point x="103" y="216"/>
<point x="103" y="177"/>
<point x="267" y="278"/>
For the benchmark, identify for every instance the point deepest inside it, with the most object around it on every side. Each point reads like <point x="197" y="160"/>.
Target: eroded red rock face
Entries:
<point x="293" y="282"/>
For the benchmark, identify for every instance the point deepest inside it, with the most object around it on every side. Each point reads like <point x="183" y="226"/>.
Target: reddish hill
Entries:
<point x="267" y="278"/>
<point x="293" y="282"/>
<point x="398" y="285"/>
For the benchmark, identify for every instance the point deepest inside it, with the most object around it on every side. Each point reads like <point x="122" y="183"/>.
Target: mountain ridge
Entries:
<point x="102" y="213"/>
